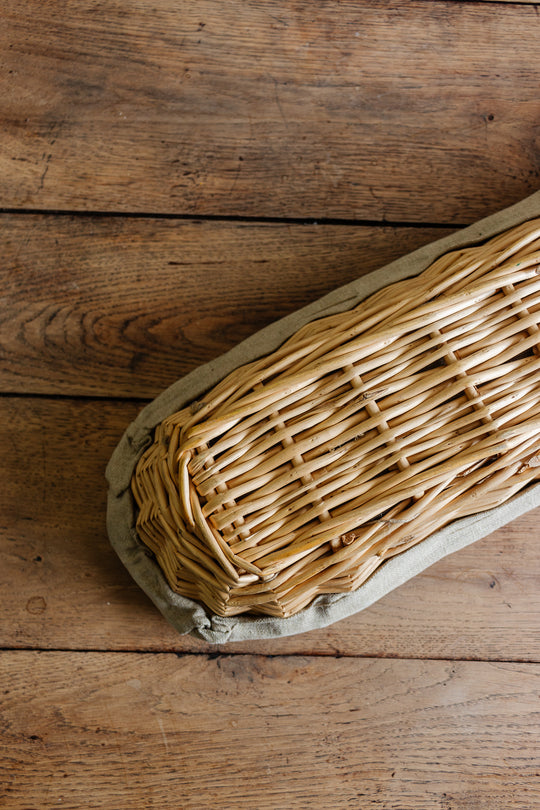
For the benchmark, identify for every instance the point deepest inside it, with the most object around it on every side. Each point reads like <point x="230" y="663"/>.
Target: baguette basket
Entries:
<point x="341" y="451"/>
<point x="302" y="472"/>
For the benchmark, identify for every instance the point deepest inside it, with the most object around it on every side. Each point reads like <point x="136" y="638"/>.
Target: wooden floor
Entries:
<point x="173" y="176"/>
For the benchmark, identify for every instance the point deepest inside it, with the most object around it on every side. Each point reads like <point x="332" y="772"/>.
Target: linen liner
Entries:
<point x="190" y="617"/>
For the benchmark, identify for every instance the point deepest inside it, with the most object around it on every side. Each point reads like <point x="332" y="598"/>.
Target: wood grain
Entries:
<point x="361" y="112"/>
<point x="110" y="730"/>
<point x="62" y="586"/>
<point x="399" y="111"/>
<point x="116" y="306"/>
<point x="516" y="2"/>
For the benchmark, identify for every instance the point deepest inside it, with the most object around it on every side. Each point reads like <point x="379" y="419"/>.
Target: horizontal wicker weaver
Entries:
<point x="302" y="472"/>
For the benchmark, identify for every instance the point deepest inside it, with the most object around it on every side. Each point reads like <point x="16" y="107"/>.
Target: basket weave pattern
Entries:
<point x="302" y="472"/>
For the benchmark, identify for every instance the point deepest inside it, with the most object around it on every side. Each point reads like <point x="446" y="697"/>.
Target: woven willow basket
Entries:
<point x="301" y="473"/>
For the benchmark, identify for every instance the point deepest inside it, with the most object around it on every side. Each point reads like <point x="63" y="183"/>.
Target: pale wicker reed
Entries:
<point x="300" y="473"/>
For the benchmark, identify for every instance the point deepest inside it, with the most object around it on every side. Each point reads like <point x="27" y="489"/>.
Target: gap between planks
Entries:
<point x="232" y="218"/>
<point x="228" y="653"/>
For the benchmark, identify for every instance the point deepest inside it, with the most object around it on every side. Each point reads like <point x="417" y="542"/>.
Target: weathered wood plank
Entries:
<point x="118" y="306"/>
<point x="515" y="2"/>
<point x="403" y="111"/>
<point x="110" y="730"/>
<point x="62" y="586"/>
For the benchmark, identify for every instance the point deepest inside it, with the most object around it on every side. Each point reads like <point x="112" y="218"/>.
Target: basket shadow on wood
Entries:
<point x="302" y="472"/>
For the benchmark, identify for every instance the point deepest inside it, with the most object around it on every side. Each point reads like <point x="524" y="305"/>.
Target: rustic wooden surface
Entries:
<point x="173" y="176"/>
<point x="358" y="110"/>
<point x="116" y="307"/>
<point x="249" y="731"/>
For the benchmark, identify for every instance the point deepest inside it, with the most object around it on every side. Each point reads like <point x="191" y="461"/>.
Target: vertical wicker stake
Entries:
<point x="301" y="473"/>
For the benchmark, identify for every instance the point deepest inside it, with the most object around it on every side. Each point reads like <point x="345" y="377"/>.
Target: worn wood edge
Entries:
<point x="190" y="617"/>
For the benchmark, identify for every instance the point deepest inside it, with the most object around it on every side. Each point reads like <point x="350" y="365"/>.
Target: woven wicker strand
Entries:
<point x="302" y="472"/>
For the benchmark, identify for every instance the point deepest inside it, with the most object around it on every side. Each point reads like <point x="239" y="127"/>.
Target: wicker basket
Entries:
<point x="301" y="473"/>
